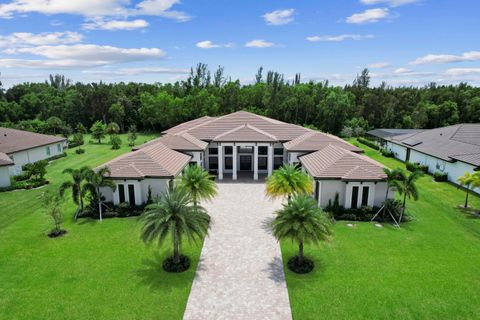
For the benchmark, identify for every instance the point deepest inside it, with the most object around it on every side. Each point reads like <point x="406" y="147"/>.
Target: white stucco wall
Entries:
<point x="21" y="158"/>
<point x="400" y="152"/>
<point x="4" y="176"/>
<point x="197" y="156"/>
<point x="292" y="157"/>
<point x="141" y="190"/>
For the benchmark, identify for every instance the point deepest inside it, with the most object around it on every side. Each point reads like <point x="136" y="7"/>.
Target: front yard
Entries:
<point x="99" y="270"/>
<point x="428" y="269"/>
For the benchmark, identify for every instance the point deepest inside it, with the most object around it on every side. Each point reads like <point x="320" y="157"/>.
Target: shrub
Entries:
<point x="21" y="177"/>
<point x="416" y="167"/>
<point x="115" y="141"/>
<point x="58" y="156"/>
<point x="368" y="143"/>
<point x="440" y="176"/>
<point x="79" y="151"/>
<point x="386" y="153"/>
<point x="366" y="213"/>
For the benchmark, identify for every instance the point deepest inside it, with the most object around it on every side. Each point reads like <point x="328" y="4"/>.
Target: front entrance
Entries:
<point x="246" y="163"/>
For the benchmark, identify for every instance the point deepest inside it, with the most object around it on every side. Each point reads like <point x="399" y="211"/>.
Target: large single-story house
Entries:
<point x="251" y="146"/>
<point x="453" y="150"/>
<point x="18" y="147"/>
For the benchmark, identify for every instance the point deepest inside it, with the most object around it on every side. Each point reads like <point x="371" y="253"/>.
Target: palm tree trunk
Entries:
<point x="99" y="203"/>
<point x="404" y="206"/>
<point x="385" y="203"/>
<point x="300" y="252"/>
<point x="176" y="249"/>
<point x="466" y="198"/>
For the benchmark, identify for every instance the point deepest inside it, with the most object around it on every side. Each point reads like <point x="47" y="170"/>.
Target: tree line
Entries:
<point x="58" y="105"/>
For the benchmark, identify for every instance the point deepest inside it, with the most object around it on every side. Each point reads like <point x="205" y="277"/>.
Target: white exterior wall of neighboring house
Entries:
<point x="4" y="176"/>
<point x="400" y="152"/>
<point x="197" y="156"/>
<point x="141" y="190"/>
<point x="293" y="157"/>
<point x="21" y="158"/>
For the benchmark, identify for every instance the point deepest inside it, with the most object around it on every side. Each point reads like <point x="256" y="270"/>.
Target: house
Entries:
<point x="23" y="147"/>
<point x="453" y="150"/>
<point x="381" y="135"/>
<point x="249" y="146"/>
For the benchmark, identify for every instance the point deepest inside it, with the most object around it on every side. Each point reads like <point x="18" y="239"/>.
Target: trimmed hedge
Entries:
<point x="62" y="155"/>
<point x="29" y="184"/>
<point x="416" y="167"/>
<point x="368" y="143"/>
<point x="440" y="176"/>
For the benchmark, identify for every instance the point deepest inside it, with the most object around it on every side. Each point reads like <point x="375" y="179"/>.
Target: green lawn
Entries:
<point x="428" y="269"/>
<point x="99" y="270"/>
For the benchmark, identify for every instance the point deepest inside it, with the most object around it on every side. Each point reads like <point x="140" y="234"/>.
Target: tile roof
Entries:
<point x="458" y="142"/>
<point x="5" y="160"/>
<point x="179" y="142"/>
<point x="386" y="132"/>
<point x="156" y="160"/>
<point x="314" y="140"/>
<point x="13" y="140"/>
<point x="245" y="133"/>
<point x="334" y="162"/>
<point x="185" y="126"/>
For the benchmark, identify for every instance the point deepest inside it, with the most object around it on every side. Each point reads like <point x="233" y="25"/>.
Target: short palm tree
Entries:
<point x="288" y="180"/>
<point x="302" y="221"/>
<point x="76" y="184"/>
<point x="198" y="183"/>
<point x="466" y="181"/>
<point x="173" y="214"/>
<point x="408" y="188"/>
<point x="392" y="176"/>
<point x="96" y="180"/>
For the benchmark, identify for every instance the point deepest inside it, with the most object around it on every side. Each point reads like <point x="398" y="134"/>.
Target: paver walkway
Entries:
<point x="240" y="274"/>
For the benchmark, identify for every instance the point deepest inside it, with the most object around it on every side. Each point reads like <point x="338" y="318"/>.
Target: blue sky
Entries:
<point x="402" y="42"/>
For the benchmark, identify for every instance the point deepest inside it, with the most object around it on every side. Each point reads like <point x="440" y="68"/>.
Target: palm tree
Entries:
<point x="407" y="186"/>
<point x="174" y="214"/>
<point x="95" y="181"/>
<point x="198" y="183"/>
<point x="302" y="221"/>
<point x="288" y="180"/>
<point x="466" y="181"/>
<point x="78" y="176"/>
<point x="392" y="176"/>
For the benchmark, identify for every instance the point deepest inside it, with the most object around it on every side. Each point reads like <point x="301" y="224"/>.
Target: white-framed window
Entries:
<point x="47" y="150"/>
<point x="59" y="147"/>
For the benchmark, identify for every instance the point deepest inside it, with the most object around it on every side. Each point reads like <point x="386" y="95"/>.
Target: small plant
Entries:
<point x="113" y="128"/>
<point x="115" y="141"/>
<point x="79" y="151"/>
<point x="440" y="176"/>
<point x="149" y="195"/>
<point x="132" y="135"/>
<point x="52" y="208"/>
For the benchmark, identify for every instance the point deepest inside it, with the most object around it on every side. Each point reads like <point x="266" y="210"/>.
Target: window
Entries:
<point x="317" y="190"/>
<point x="213" y="163"/>
<point x="262" y="163"/>
<point x="213" y="150"/>
<point x="131" y="194"/>
<point x="228" y="150"/>
<point x="245" y="149"/>
<point x="277" y="162"/>
<point x="263" y="150"/>
<point x="365" y="192"/>
<point x="121" y="193"/>
<point x="278" y="151"/>
<point x="47" y="149"/>
<point x="353" y="205"/>
<point x="59" y="148"/>
<point x="228" y="163"/>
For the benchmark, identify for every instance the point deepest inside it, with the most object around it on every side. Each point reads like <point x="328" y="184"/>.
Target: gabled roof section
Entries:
<point x="314" y="140"/>
<point x="179" y="142"/>
<point x="387" y="132"/>
<point x="458" y="142"/>
<point x="245" y="133"/>
<point x="5" y="160"/>
<point x="189" y="125"/>
<point x="13" y="140"/>
<point x="156" y="161"/>
<point x="334" y="162"/>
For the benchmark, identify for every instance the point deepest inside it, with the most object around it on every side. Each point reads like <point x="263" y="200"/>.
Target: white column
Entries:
<point x="270" y="160"/>
<point x="234" y="162"/>
<point x="220" y="162"/>
<point x="255" y="162"/>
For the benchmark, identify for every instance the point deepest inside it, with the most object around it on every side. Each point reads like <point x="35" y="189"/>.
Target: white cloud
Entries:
<point x="369" y="16"/>
<point x="113" y="25"/>
<point x="137" y="71"/>
<point x="379" y="65"/>
<point x="259" y="44"/>
<point x="93" y="8"/>
<point x="402" y="71"/>
<point x="340" y="38"/>
<point x="447" y="58"/>
<point x="462" y="71"/>
<point x="20" y="39"/>
<point x="48" y="64"/>
<point x="207" y="44"/>
<point x="279" y="17"/>
<point x="391" y="3"/>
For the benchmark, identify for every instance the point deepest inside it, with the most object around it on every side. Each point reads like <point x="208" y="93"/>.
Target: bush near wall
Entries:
<point x="416" y="167"/>
<point x="386" y="153"/>
<point x="368" y="143"/>
<point x="29" y="184"/>
<point x="440" y="176"/>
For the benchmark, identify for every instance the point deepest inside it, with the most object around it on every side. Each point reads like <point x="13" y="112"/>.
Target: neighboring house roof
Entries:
<point x="385" y="132"/>
<point x="179" y="142"/>
<point x="214" y="127"/>
<point x="5" y="160"/>
<point x="156" y="160"/>
<point x="245" y="133"/>
<point x="13" y="140"/>
<point x="458" y="142"/>
<point x="314" y="140"/>
<point x="182" y="127"/>
<point x="334" y="162"/>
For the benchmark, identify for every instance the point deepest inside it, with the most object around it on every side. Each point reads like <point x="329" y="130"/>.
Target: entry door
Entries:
<point x="245" y="162"/>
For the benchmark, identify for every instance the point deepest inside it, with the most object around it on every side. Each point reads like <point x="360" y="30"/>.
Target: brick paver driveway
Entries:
<point x="240" y="274"/>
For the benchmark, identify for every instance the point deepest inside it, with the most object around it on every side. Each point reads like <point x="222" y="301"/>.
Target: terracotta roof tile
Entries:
<point x="245" y="133"/>
<point x="13" y="140"/>
<point x="5" y="160"/>
<point x="179" y="142"/>
<point x="315" y="140"/>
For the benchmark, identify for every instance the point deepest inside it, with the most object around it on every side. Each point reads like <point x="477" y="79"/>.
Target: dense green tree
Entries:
<point x="98" y="130"/>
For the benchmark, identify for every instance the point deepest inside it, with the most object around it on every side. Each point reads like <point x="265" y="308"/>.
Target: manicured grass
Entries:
<point x="427" y="269"/>
<point x="99" y="270"/>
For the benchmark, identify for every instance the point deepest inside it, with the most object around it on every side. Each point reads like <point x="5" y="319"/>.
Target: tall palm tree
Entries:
<point x="198" y="183"/>
<point x="76" y="184"/>
<point x="408" y="188"/>
<point x="302" y="221"/>
<point x="288" y="180"/>
<point x="466" y="181"/>
<point x="95" y="181"/>
<point x="174" y="214"/>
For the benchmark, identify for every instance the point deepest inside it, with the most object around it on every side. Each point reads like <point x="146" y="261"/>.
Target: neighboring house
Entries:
<point x="453" y="150"/>
<point x="5" y="163"/>
<point x="381" y="135"/>
<point x="24" y="147"/>
<point x="249" y="145"/>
